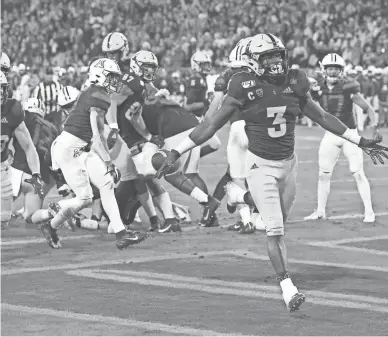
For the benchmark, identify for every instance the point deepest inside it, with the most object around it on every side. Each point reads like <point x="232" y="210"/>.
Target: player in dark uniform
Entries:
<point x="173" y="123"/>
<point x="197" y="102"/>
<point x="12" y="124"/>
<point x="271" y="97"/>
<point x="71" y="153"/>
<point x="336" y="93"/>
<point x="124" y="112"/>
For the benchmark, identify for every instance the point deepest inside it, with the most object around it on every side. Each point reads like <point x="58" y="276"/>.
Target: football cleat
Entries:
<point x="247" y="229"/>
<point x="50" y="234"/>
<point x="155" y="224"/>
<point x="369" y="217"/>
<point x="316" y="216"/>
<point x="170" y="225"/>
<point x="235" y="227"/>
<point x="127" y="238"/>
<point x="295" y="302"/>
<point x="209" y="211"/>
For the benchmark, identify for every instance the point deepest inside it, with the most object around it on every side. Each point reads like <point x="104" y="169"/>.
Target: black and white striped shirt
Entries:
<point x="48" y="93"/>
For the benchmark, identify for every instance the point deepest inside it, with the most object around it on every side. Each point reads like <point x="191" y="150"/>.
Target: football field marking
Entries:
<point x="229" y="288"/>
<point x="112" y="320"/>
<point x="251" y="255"/>
<point x="172" y="256"/>
<point x="339" y="244"/>
<point x="11" y="242"/>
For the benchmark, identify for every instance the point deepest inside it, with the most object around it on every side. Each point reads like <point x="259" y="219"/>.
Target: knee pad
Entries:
<point x="325" y="176"/>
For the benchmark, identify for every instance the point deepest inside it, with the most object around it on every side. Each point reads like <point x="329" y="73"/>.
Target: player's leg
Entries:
<point x="236" y="154"/>
<point x="263" y="183"/>
<point x="212" y="145"/>
<point x="32" y="201"/>
<point x="329" y="151"/>
<point x="132" y="165"/>
<point x="162" y="199"/>
<point x="354" y="156"/>
<point x="6" y="195"/>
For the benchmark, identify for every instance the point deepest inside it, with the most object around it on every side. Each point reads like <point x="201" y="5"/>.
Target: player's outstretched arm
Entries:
<point x="111" y="115"/>
<point x="24" y="138"/>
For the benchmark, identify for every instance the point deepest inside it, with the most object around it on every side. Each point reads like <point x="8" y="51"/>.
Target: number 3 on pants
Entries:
<point x="279" y="121"/>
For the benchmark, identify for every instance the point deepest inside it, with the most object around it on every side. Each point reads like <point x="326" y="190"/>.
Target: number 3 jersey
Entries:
<point x="12" y="115"/>
<point x="338" y="100"/>
<point x="270" y="111"/>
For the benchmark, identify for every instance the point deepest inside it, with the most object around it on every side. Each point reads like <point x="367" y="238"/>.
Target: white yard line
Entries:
<point x="255" y="256"/>
<point x="352" y="240"/>
<point x="111" y="320"/>
<point x="256" y="293"/>
<point x="16" y="271"/>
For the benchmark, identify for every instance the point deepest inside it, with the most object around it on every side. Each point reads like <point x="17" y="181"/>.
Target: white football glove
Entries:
<point x="163" y="92"/>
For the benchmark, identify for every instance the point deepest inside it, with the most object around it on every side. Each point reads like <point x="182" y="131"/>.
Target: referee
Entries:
<point x="48" y="91"/>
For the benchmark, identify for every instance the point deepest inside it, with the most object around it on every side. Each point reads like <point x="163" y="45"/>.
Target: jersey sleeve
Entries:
<point x="18" y="114"/>
<point x="99" y="100"/>
<point x="235" y="87"/>
<point x="301" y="82"/>
<point x="352" y="86"/>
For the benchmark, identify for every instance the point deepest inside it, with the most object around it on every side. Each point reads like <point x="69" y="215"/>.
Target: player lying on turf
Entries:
<point x="12" y="124"/>
<point x="271" y="97"/>
<point x="336" y="93"/>
<point x="71" y="153"/>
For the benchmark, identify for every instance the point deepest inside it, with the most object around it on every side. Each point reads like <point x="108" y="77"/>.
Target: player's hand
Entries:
<point x="163" y="92"/>
<point x="114" y="172"/>
<point x="374" y="150"/>
<point x="37" y="182"/>
<point x="377" y="135"/>
<point x="64" y="190"/>
<point x="168" y="163"/>
<point x="157" y="140"/>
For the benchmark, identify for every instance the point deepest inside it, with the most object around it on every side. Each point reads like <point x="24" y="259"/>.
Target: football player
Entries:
<point x="197" y="102"/>
<point x="336" y="93"/>
<point x="66" y="100"/>
<point x="237" y="143"/>
<point x="125" y="104"/>
<point x="271" y="97"/>
<point x="71" y="153"/>
<point x="12" y="124"/>
<point x="173" y="123"/>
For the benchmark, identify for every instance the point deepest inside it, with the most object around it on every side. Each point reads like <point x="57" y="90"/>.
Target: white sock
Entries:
<point x="245" y="213"/>
<point x="364" y="190"/>
<point x="323" y="191"/>
<point x="109" y="203"/>
<point x="288" y="287"/>
<point x="199" y="195"/>
<point x="164" y="202"/>
<point x="238" y="194"/>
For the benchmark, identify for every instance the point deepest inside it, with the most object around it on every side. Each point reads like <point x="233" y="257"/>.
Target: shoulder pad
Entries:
<point x="351" y="85"/>
<point x="99" y="95"/>
<point x="299" y="80"/>
<point x="240" y="81"/>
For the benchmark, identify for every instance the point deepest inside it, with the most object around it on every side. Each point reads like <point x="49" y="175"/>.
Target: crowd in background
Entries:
<point x="65" y="35"/>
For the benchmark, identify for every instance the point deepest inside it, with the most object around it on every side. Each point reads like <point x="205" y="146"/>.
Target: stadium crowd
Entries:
<point x="65" y="35"/>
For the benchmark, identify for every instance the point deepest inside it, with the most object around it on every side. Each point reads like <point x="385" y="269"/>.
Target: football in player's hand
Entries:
<point x="158" y="159"/>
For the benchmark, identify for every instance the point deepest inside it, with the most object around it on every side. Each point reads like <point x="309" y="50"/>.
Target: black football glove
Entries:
<point x="374" y="150"/>
<point x="114" y="172"/>
<point x="168" y="163"/>
<point x="157" y="140"/>
<point x="37" y="182"/>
